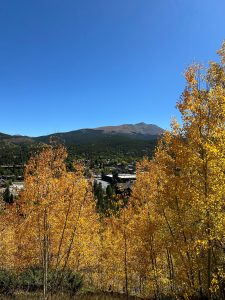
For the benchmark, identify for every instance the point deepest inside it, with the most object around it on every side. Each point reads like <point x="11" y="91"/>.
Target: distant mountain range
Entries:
<point x="123" y="141"/>
<point x="140" y="131"/>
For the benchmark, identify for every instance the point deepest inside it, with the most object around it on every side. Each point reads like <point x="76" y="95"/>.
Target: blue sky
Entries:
<point x="73" y="64"/>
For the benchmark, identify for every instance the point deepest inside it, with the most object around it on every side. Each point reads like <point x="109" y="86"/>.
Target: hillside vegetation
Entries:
<point x="89" y="144"/>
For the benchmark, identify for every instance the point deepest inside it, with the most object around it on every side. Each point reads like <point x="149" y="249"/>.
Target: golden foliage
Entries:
<point x="63" y="200"/>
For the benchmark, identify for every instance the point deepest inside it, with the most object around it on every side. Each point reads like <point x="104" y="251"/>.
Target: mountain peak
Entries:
<point x="132" y="129"/>
<point x="141" y="124"/>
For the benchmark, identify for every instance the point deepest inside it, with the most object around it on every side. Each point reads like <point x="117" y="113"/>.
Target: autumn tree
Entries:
<point x="7" y="236"/>
<point x="56" y="216"/>
<point x="184" y="186"/>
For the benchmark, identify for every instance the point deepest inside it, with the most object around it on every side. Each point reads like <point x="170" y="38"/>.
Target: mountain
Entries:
<point x="130" y="131"/>
<point x="128" y="140"/>
<point x="15" y="139"/>
<point x="140" y="131"/>
<point x="4" y="136"/>
<point x="133" y="129"/>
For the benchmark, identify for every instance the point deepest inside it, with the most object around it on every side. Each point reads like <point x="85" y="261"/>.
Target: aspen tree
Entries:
<point x="57" y="222"/>
<point x="187" y="194"/>
<point x="7" y="236"/>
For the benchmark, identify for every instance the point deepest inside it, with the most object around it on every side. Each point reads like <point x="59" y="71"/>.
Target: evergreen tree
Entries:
<point x="7" y="196"/>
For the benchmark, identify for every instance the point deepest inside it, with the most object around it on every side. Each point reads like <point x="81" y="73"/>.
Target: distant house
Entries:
<point x="126" y="177"/>
<point x="121" y="178"/>
<point x="8" y="177"/>
<point x="108" y="178"/>
<point x="16" y="187"/>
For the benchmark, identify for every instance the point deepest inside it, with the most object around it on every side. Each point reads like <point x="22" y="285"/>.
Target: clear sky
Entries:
<point x="69" y="64"/>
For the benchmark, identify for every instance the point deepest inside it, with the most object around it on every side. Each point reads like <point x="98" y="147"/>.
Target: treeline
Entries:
<point x="167" y="241"/>
<point x="97" y="155"/>
<point x="14" y="154"/>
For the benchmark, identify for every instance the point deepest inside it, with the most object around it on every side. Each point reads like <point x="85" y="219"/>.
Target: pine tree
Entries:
<point x="7" y="196"/>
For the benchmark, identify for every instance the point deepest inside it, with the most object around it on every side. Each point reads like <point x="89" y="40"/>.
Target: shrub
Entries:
<point x="8" y="282"/>
<point x="66" y="281"/>
<point x="31" y="279"/>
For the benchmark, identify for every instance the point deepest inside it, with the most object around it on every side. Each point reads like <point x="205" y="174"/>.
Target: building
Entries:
<point x="16" y="188"/>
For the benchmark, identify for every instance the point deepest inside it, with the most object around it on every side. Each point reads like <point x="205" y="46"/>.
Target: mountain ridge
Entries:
<point x="123" y="142"/>
<point x="138" y="128"/>
<point x="138" y="131"/>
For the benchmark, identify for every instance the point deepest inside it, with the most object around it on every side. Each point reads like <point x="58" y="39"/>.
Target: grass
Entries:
<point x="38" y="296"/>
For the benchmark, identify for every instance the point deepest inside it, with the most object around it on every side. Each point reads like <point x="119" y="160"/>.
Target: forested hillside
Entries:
<point x="88" y="144"/>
